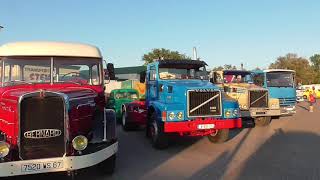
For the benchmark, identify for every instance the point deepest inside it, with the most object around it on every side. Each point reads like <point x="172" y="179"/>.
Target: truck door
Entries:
<point x="152" y="84"/>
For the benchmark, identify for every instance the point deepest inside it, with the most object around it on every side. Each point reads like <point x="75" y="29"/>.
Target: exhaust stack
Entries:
<point x="195" y="54"/>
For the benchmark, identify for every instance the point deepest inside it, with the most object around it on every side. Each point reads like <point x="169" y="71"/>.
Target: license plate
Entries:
<point x="41" y="166"/>
<point x="205" y="126"/>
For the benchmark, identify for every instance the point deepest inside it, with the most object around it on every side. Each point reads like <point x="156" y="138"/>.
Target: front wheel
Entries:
<point x="159" y="138"/>
<point x="262" y="121"/>
<point x="107" y="166"/>
<point x="124" y="121"/>
<point x="220" y="136"/>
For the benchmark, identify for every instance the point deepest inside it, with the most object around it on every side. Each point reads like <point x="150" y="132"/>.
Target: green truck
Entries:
<point x="118" y="97"/>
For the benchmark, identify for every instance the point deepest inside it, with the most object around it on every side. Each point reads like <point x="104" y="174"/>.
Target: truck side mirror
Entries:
<point x="143" y="76"/>
<point x="110" y="71"/>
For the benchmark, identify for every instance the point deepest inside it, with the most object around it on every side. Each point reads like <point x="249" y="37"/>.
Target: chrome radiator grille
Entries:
<point x="258" y="98"/>
<point x="204" y="103"/>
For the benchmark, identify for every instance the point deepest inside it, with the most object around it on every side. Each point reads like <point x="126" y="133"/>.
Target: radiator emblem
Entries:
<point x="204" y="90"/>
<point x="42" y="133"/>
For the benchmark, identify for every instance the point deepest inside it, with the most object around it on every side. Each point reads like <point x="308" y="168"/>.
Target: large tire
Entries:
<point x="221" y="136"/>
<point x="262" y="121"/>
<point x="108" y="166"/>
<point x="159" y="139"/>
<point x="125" y="125"/>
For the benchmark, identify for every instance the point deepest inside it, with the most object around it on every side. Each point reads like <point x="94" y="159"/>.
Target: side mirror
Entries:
<point x="110" y="69"/>
<point x="143" y="76"/>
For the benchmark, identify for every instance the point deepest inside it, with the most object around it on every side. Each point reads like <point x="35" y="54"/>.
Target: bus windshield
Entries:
<point x="280" y="79"/>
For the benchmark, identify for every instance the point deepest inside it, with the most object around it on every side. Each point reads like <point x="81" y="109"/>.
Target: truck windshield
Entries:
<point x="38" y="70"/>
<point x="183" y="73"/>
<point x="77" y="70"/>
<point x="280" y="79"/>
<point x="237" y="77"/>
<point x="126" y="95"/>
<point x="26" y="70"/>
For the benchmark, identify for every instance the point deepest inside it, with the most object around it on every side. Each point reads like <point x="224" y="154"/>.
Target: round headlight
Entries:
<point x="180" y="115"/>
<point x="80" y="143"/>
<point x="4" y="149"/>
<point x="235" y="112"/>
<point x="228" y="113"/>
<point x="171" y="115"/>
<point x="244" y="106"/>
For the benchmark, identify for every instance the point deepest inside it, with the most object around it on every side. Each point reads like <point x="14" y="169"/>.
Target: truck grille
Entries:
<point x="258" y="98"/>
<point x="287" y="102"/>
<point x="200" y="104"/>
<point x="42" y="126"/>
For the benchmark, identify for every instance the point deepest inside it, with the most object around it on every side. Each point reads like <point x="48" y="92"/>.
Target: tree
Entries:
<point x="304" y="72"/>
<point x="315" y="63"/>
<point x="163" y="54"/>
<point x="229" y="67"/>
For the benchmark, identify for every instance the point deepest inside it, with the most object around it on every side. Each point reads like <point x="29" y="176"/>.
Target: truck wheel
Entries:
<point x="262" y="121"/>
<point x="159" y="139"/>
<point x="125" y="125"/>
<point x="107" y="166"/>
<point x="221" y="135"/>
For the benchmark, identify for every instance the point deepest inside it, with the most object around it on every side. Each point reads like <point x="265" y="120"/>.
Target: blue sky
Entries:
<point x="225" y="32"/>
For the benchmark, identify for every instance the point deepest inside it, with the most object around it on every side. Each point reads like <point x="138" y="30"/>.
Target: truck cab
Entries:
<point x="281" y="85"/>
<point x="52" y="115"/>
<point x="254" y="100"/>
<point x="181" y="100"/>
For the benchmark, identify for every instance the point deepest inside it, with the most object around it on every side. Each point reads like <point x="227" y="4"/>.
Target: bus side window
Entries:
<point x="258" y="79"/>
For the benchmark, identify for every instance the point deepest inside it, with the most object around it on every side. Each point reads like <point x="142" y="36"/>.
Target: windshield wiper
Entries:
<point x="12" y="82"/>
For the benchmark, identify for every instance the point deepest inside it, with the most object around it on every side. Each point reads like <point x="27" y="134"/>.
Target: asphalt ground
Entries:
<point x="289" y="148"/>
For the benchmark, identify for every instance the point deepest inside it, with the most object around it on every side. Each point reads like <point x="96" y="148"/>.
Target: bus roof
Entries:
<point x="278" y="70"/>
<point x="38" y="48"/>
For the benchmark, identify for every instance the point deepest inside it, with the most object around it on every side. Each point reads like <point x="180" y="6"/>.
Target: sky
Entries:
<point x="252" y="32"/>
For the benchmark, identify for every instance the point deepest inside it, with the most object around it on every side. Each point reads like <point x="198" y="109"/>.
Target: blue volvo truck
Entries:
<point x="181" y="100"/>
<point x="281" y="85"/>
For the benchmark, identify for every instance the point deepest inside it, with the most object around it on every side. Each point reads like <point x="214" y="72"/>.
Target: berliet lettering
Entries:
<point x="42" y="133"/>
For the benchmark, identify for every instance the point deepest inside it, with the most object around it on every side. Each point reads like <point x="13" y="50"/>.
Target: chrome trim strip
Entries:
<point x="77" y="98"/>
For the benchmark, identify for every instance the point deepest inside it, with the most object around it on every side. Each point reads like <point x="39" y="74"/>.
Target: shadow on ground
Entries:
<point x="135" y="158"/>
<point x="293" y="155"/>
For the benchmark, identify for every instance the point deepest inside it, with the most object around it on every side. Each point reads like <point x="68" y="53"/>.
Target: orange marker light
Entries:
<point x="164" y="115"/>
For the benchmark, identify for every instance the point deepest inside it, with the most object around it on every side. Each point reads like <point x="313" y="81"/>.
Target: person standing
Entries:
<point x="312" y="98"/>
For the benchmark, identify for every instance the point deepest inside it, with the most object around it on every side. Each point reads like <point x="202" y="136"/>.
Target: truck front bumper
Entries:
<point x="260" y="112"/>
<point x="67" y="163"/>
<point x="201" y="127"/>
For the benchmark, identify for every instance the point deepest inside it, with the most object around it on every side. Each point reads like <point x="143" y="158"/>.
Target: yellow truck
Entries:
<point x="254" y="101"/>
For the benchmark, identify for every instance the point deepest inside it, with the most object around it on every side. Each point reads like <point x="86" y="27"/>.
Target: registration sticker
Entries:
<point x="206" y="126"/>
<point x="41" y="166"/>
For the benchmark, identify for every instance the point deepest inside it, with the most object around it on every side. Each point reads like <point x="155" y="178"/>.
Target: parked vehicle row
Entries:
<point x="55" y="117"/>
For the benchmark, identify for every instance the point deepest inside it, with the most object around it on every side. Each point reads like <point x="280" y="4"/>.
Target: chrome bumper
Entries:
<point x="14" y="168"/>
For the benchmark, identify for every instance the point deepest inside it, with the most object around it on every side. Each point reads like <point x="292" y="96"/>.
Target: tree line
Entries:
<point x="307" y="69"/>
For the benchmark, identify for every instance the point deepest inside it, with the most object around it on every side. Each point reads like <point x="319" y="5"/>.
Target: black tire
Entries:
<point x="125" y="125"/>
<point x="108" y="166"/>
<point x="221" y="136"/>
<point x="159" y="139"/>
<point x="262" y="121"/>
